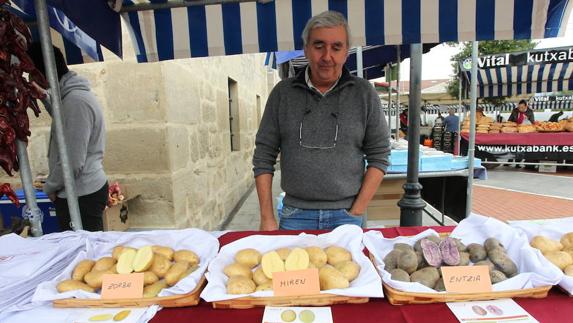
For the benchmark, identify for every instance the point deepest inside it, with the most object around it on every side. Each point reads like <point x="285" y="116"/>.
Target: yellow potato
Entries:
<point x="82" y="268"/>
<point x="560" y="259"/>
<point x="330" y="278"/>
<point x="154" y="289"/>
<point x="165" y="251"/>
<point x="297" y="259"/>
<point x="236" y="269"/>
<point x="70" y="284"/>
<point x="266" y="286"/>
<point x="567" y="240"/>
<point x="349" y="269"/>
<point x="240" y="285"/>
<point x="149" y="278"/>
<point x="317" y="256"/>
<point x="337" y="254"/>
<point x="160" y="265"/>
<point x="545" y="244"/>
<point x="143" y="259"/>
<point x="120" y="316"/>
<point x="95" y="278"/>
<point x="568" y="270"/>
<point x="189" y="271"/>
<point x="186" y="256"/>
<point x="283" y="253"/>
<point x="569" y="251"/>
<point x="103" y="263"/>
<point x="125" y="261"/>
<point x="272" y="262"/>
<point x="175" y="273"/>
<point x="259" y="276"/>
<point x="248" y="257"/>
<point x="117" y="251"/>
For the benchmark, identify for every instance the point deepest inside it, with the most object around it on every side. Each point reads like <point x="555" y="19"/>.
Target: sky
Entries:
<point x="436" y="63"/>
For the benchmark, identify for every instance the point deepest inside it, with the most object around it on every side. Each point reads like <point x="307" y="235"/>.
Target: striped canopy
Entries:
<point x="268" y="26"/>
<point x="525" y="73"/>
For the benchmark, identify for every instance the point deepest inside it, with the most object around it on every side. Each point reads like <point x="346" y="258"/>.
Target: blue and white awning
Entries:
<point x="250" y="27"/>
<point x="535" y="71"/>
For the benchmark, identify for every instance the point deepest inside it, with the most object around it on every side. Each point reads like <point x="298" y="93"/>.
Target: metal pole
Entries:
<point x="57" y="124"/>
<point x="471" y="145"/>
<point x="389" y="74"/>
<point x="460" y="108"/>
<point x="359" y="64"/>
<point x="33" y="212"/>
<point x="411" y="204"/>
<point x="398" y="93"/>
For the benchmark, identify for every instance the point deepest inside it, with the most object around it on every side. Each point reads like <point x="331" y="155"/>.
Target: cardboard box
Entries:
<point x="116" y="218"/>
<point x="384" y="204"/>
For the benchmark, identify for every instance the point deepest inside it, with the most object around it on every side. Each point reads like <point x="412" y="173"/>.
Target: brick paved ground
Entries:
<point x="507" y="205"/>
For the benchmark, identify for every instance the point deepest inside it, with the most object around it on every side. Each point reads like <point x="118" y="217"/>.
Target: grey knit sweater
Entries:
<point x="322" y="168"/>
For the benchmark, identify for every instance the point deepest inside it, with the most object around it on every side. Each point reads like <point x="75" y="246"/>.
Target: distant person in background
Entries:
<point x="439" y="120"/>
<point x="522" y="115"/>
<point x="499" y="118"/>
<point x="404" y="121"/>
<point x="452" y="121"/>
<point x="555" y="117"/>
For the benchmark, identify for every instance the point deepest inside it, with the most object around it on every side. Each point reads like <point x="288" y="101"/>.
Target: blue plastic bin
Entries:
<point x="50" y="222"/>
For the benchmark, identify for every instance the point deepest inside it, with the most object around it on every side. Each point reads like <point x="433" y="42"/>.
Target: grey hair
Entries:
<point x="326" y="19"/>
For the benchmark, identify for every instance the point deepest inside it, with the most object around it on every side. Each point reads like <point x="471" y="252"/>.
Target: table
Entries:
<point x="555" y="308"/>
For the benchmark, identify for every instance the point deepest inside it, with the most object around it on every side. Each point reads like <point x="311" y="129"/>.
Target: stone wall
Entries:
<point x="168" y="136"/>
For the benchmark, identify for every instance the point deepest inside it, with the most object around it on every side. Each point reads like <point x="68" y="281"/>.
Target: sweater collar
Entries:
<point x="345" y="79"/>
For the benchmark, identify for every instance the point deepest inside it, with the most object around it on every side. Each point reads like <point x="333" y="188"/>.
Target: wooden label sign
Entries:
<point x="116" y="286"/>
<point x="466" y="279"/>
<point x="296" y="282"/>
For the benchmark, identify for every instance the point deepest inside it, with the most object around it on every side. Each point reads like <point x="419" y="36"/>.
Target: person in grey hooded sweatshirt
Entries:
<point x="84" y="130"/>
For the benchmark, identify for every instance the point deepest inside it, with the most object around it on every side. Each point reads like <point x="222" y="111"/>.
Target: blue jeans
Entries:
<point x="292" y="218"/>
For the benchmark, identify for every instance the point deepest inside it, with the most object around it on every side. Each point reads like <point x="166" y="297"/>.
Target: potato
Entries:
<point x="426" y="276"/>
<point x="502" y="261"/>
<point x="569" y="251"/>
<point x="189" y="271"/>
<point x="240" y="285"/>
<point x="82" y="268"/>
<point x="297" y="259"/>
<point x="272" y="262"/>
<point x="70" y="284"/>
<point x="117" y="251"/>
<point x="283" y="253"/>
<point x="408" y="261"/>
<point x="160" y="265"/>
<point x="391" y="259"/>
<point x="432" y="253"/>
<point x="154" y="289"/>
<point x="259" y="276"/>
<point x="497" y="276"/>
<point x="266" y="286"/>
<point x="545" y="244"/>
<point x="449" y="251"/>
<point x="487" y="263"/>
<point x="464" y="259"/>
<point x="399" y="274"/>
<point x="492" y="243"/>
<point x="248" y="257"/>
<point x="317" y="256"/>
<point x="461" y="246"/>
<point x="149" y="278"/>
<point x="421" y="261"/>
<point x="236" y="269"/>
<point x="403" y="247"/>
<point x="164" y="251"/>
<point x="349" y="269"/>
<point x="186" y="256"/>
<point x="143" y="259"/>
<point x="103" y="263"/>
<point x="567" y="240"/>
<point x="125" y="261"/>
<point x="330" y="278"/>
<point x="337" y="254"/>
<point x="175" y="273"/>
<point x="94" y="278"/>
<point x="477" y="252"/>
<point x="560" y="259"/>
<point x="440" y="287"/>
<point x="568" y="270"/>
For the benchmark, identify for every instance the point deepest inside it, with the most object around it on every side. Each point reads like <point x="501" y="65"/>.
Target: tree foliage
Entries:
<point x="485" y="48"/>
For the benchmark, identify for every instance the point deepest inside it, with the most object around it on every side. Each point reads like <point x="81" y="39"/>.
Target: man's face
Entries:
<point x="326" y="52"/>
<point x="522" y="107"/>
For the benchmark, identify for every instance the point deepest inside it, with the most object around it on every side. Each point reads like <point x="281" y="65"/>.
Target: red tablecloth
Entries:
<point x="529" y="139"/>
<point x="557" y="307"/>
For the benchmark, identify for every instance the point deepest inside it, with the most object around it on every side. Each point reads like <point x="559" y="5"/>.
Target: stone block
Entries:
<point x="144" y="213"/>
<point x="182" y="92"/>
<point x="178" y="145"/>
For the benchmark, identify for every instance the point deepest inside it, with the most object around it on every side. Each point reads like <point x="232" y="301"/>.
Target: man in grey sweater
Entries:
<point x="84" y="130"/>
<point x="326" y="124"/>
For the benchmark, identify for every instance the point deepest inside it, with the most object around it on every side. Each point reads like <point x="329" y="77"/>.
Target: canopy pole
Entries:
<point x="460" y="115"/>
<point x="33" y="212"/>
<point x="398" y="93"/>
<point x="389" y="77"/>
<point x="359" y="64"/>
<point x="57" y="124"/>
<point x="411" y="205"/>
<point x="471" y="145"/>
